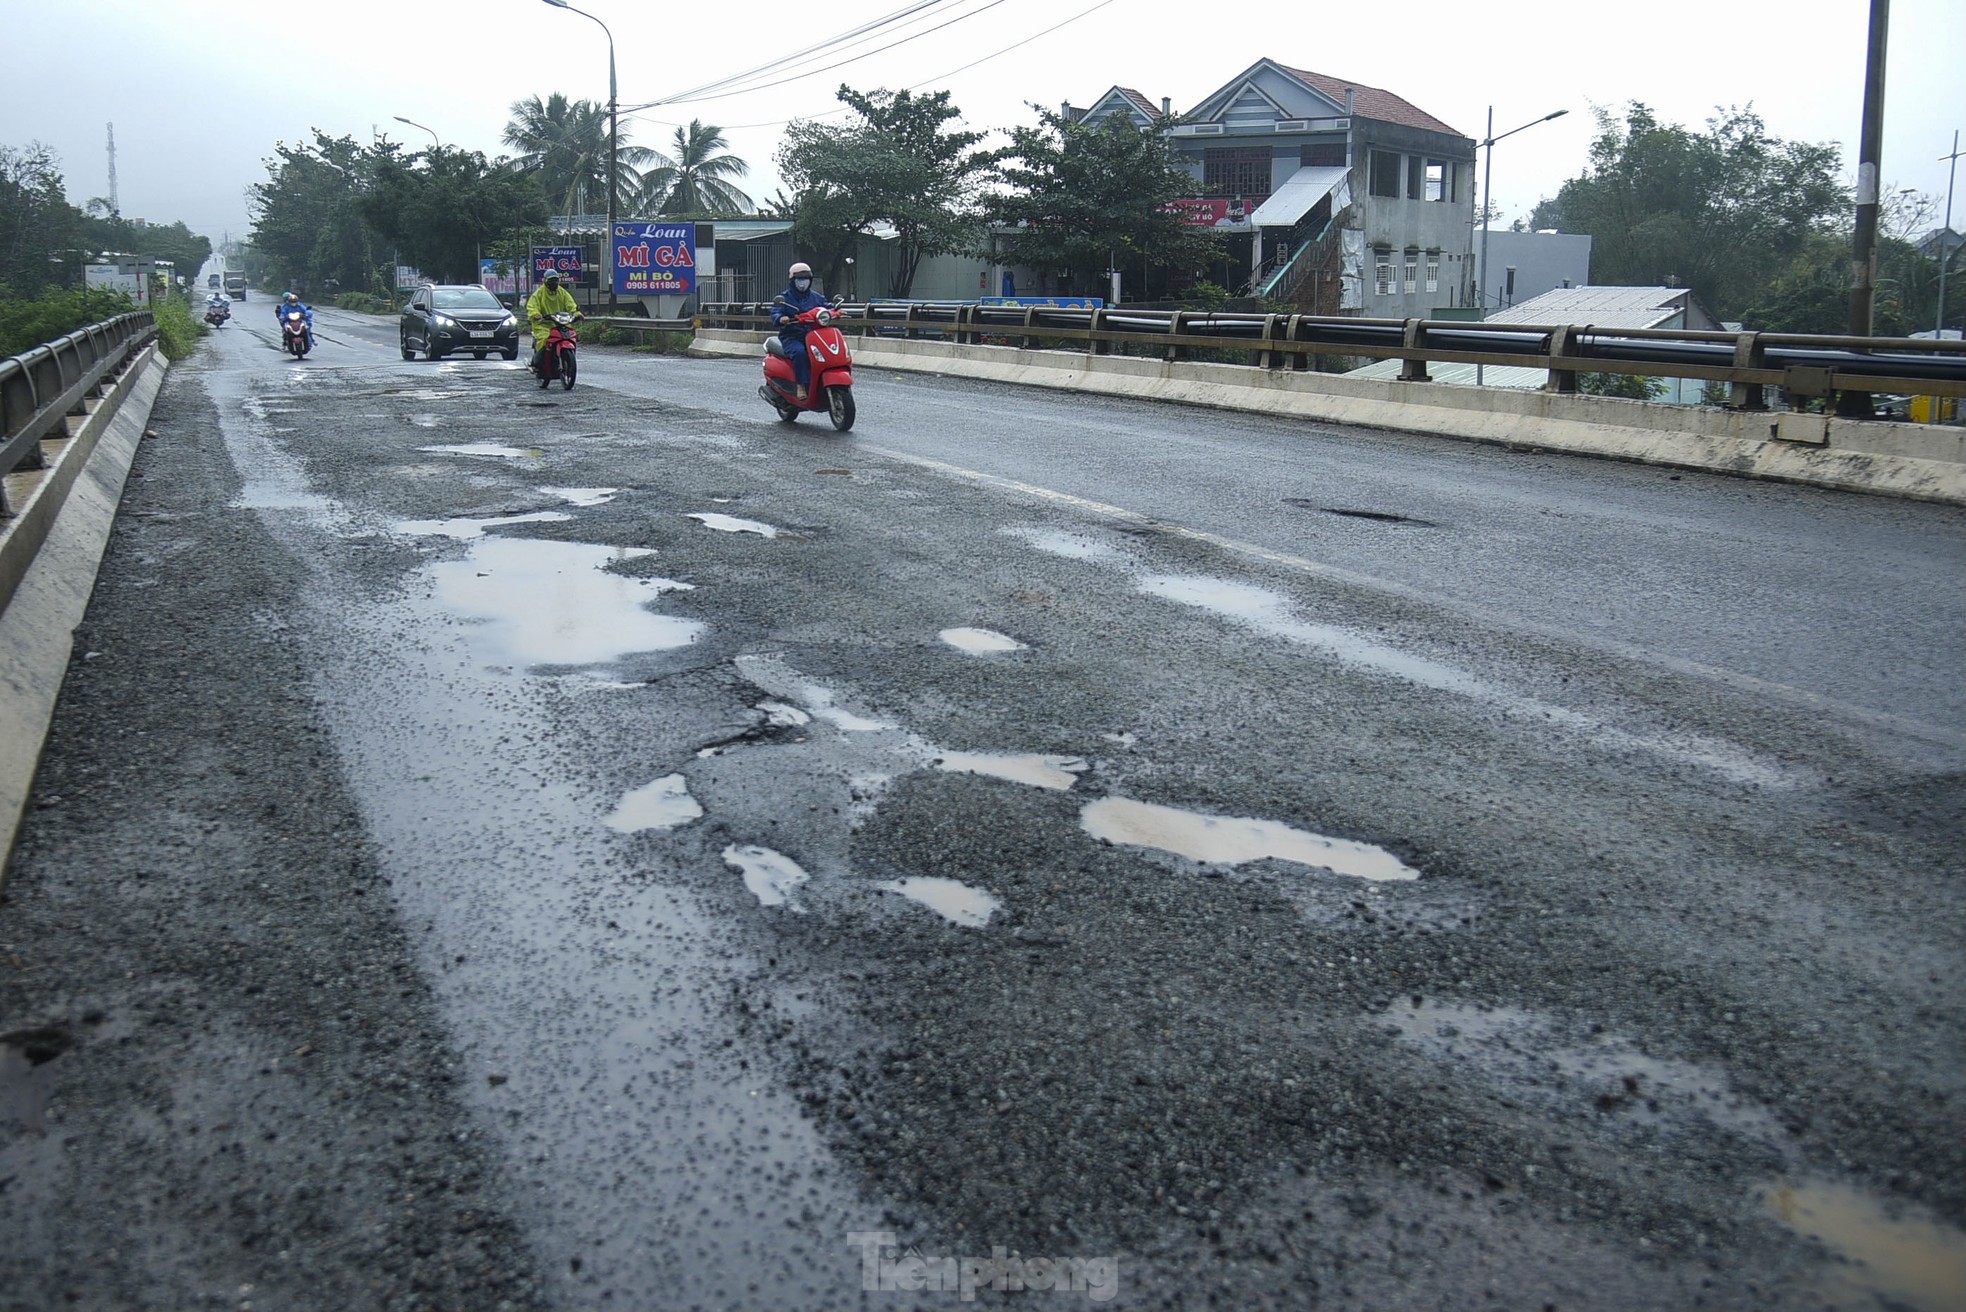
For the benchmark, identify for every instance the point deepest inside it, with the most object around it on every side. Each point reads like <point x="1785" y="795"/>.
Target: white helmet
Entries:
<point x="801" y="267"/>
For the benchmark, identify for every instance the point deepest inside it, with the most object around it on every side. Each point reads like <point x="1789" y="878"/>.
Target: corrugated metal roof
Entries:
<point x="1461" y="375"/>
<point x="1372" y="102"/>
<point x="1300" y="191"/>
<point x="1602" y="307"/>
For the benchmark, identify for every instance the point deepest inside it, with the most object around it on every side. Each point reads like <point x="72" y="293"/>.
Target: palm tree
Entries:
<point x="565" y="142"/>
<point x="693" y="180"/>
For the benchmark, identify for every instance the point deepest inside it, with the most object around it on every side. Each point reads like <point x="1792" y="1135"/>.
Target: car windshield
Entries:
<point x="466" y="298"/>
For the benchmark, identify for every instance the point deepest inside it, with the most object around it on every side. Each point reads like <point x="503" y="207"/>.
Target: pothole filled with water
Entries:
<point x="1234" y="840"/>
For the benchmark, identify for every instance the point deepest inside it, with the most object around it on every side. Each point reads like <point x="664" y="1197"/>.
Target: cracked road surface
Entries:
<point x="503" y="848"/>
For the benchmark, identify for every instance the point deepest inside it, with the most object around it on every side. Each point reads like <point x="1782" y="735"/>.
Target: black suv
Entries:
<point x="467" y="317"/>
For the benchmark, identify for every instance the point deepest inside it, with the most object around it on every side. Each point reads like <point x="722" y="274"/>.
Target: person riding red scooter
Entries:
<point x="807" y="366"/>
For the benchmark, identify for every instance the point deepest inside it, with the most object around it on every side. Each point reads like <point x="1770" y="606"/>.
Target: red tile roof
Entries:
<point x="1371" y="102"/>
<point x="1147" y="106"/>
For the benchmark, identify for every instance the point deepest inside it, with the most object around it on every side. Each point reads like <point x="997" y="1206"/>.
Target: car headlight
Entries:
<point x="443" y="321"/>
<point x="509" y="321"/>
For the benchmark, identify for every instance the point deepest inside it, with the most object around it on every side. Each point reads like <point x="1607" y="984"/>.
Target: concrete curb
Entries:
<point x="52" y="550"/>
<point x="1918" y="461"/>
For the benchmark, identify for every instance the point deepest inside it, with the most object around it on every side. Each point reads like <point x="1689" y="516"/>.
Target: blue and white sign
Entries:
<point x="654" y="259"/>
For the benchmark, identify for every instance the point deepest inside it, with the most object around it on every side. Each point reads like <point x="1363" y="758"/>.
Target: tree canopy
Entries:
<point x="696" y="178"/>
<point x="335" y="215"/>
<point x="43" y="236"/>
<point x="1724" y="211"/>
<point x="1085" y="199"/>
<point x="565" y="144"/>
<point x="444" y="207"/>
<point x="898" y="163"/>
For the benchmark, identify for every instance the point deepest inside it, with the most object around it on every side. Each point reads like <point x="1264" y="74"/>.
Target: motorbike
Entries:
<point x="294" y="335"/>
<point x="557" y="359"/>
<point x="831" y="389"/>
<point x="216" y="315"/>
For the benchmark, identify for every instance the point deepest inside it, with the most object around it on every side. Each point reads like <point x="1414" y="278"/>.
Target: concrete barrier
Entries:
<point x="1920" y="461"/>
<point x="51" y="550"/>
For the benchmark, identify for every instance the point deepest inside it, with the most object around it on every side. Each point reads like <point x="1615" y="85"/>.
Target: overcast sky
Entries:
<point x="200" y="90"/>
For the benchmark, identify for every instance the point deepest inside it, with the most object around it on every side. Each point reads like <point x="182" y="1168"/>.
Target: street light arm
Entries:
<point x="1492" y="140"/>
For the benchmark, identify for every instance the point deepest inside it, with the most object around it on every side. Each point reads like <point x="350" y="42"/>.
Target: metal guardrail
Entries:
<point x="1805" y="366"/>
<point x="41" y="388"/>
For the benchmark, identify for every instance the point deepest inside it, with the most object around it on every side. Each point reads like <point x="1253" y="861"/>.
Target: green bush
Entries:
<point x="26" y="324"/>
<point x="667" y="343"/>
<point x="1632" y="387"/>
<point x="364" y="303"/>
<point x="178" y="330"/>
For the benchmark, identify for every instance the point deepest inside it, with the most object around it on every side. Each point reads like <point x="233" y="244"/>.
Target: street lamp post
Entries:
<point x="435" y="140"/>
<point x="1487" y="170"/>
<point x="1945" y="256"/>
<point x="614" y="150"/>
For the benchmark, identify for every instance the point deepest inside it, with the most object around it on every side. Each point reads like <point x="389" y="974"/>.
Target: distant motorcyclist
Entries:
<point x="288" y="304"/>
<point x="547" y="300"/>
<point x="798" y="297"/>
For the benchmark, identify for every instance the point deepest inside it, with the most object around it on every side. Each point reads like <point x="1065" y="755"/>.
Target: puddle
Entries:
<point x="953" y="900"/>
<point x="1059" y="772"/>
<point x="1906" y="1261"/>
<point x="664" y="804"/>
<point x="1233" y="840"/>
<point x="1074" y="546"/>
<point x="1123" y="738"/>
<point x="582" y="496"/>
<point x="553" y="603"/>
<point x="979" y="642"/>
<point x="771" y="876"/>
<point x="278" y="496"/>
<point x="463" y="530"/>
<point x="487" y="449"/>
<point x="424" y="393"/>
<point x="1272" y="613"/>
<point x="732" y="524"/>
<point x="425" y="421"/>
<point x="774" y="676"/>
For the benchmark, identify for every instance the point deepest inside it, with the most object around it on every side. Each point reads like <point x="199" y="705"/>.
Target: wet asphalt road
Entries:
<point x="609" y="849"/>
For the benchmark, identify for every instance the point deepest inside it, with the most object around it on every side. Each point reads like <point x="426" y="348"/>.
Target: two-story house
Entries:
<point x="1335" y="196"/>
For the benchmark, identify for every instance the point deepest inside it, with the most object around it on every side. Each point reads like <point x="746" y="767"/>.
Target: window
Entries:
<point x="1433" y="271"/>
<point x="1236" y="171"/>
<point x="1410" y="283"/>
<point x="1382" y="278"/>
<point x="1384" y="179"/>
<point x="1436" y="188"/>
<point x="1322" y="154"/>
<point x="1416" y="173"/>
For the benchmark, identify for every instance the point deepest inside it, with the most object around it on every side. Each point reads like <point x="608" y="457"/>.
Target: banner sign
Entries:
<point x="498" y="276"/>
<point x="1210" y="211"/>
<point x="564" y="258"/>
<point x="654" y="259"/>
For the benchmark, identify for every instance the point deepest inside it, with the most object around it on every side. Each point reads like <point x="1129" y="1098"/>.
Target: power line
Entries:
<point x="680" y="100"/>
<point x="829" y="43"/>
<point x="832" y="113"/>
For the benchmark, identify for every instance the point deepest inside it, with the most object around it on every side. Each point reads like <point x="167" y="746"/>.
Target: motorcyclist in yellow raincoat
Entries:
<point x="547" y="300"/>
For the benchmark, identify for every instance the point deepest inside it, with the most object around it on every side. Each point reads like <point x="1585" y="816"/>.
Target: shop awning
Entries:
<point x="1299" y="194"/>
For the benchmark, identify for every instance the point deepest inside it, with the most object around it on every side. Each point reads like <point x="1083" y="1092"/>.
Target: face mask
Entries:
<point x="802" y="284"/>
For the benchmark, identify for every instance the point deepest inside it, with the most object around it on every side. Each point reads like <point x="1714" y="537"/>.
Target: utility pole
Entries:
<point x="1870" y="151"/>
<point x="1945" y="256"/>
<point x="115" y="209"/>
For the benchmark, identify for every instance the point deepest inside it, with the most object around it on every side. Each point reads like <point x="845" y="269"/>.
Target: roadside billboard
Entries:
<point x="566" y="259"/>
<point x="499" y="276"/>
<point x="654" y="259"/>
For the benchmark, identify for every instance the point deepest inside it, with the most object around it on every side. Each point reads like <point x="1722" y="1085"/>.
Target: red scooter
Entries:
<point x="294" y="335"/>
<point x="832" y="369"/>
<point x="557" y="361"/>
